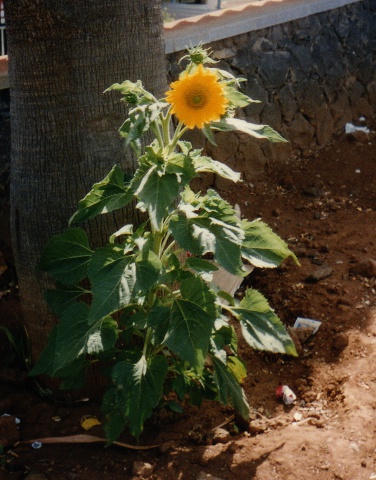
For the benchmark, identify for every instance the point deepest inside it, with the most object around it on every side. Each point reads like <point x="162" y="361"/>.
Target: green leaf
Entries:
<point x="206" y="130"/>
<point x="63" y="297"/>
<point x="210" y="225"/>
<point x="139" y="121"/>
<point x="261" y="328"/>
<point x="75" y="337"/>
<point x="200" y="265"/>
<point x="157" y="191"/>
<point x="73" y="375"/>
<point x="257" y="131"/>
<point x="114" y="405"/>
<point x="133" y="92"/>
<point x="148" y="267"/>
<point x="207" y="164"/>
<point x="236" y="98"/>
<point x="191" y="320"/>
<point x="182" y="166"/>
<point x="262" y="247"/>
<point x="119" y="279"/>
<point x="146" y="388"/>
<point x="113" y="277"/>
<point x="66" y="256"/>
<point x="196" y="290"/>
<point x="237" y="368"/>
<point x="159" y="320"/>
<point x="142" y="386"/>
<point x="45" y="363"/>
<point x="229" y="390"/>
<point x="106" y="196"/>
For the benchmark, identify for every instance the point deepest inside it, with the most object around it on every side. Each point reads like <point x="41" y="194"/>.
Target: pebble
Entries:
<point x="258" y="426"/>
<point x="221" y="435"/>
<point x="319" y="274"/>
<point x="340" y="341"/>
<point x="142" y="469"/>
<point x="298" y="416"/>
<point x="207" y="476"/>
<point x="167" y="447"/>
<point x="365" y="268"/>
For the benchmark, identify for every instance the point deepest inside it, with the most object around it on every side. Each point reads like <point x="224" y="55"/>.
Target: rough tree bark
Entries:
<point x="62" y="56"/>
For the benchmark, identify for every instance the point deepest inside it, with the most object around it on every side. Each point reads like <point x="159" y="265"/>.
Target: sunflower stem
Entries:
<point x="179" y="132"/>
<point x="166" y="127"/>
<point x="158" y="135"/>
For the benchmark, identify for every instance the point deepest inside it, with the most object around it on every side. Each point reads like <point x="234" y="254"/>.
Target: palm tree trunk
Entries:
<point x="62" y="56"/>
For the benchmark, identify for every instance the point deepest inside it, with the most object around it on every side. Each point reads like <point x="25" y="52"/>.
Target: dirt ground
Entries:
<point x="324" y="206"/>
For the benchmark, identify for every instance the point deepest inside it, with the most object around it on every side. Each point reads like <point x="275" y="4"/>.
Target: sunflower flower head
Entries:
<point x="197" y="98"/>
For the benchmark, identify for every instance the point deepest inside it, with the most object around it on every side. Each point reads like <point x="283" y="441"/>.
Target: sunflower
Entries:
<point x="197" y="98"/>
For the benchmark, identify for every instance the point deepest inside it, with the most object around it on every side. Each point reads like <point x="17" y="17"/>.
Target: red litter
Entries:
<point x="286" y="394"/>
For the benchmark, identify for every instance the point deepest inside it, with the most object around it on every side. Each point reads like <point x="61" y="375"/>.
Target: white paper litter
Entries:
<point x="350" y="128"/>
<point x="301" y="322"/>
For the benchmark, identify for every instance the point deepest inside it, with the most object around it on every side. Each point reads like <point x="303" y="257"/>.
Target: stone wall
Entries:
<point x="311" y="75"/>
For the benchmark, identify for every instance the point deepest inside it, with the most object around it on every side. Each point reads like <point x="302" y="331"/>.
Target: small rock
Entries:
<point x="298" y="416"/>
<point x="319" y="274"/>
<point x="167" y="447"/>
<point x="318" y="423"/>
<point x="142" y="469"/>
<point x="258" y="426"/>
<point x="207" y="476"/>
<point x="221" y="435"/>
<point x="340" y="341"/>
<point x="312" y="192"/>
<point x="365" y="268"/>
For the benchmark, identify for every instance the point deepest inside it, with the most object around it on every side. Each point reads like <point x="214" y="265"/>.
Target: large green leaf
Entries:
<point x="114" y="408"/>
<point x="63" y="297"/>
<point x="106" y="196"/>
<point x="261" y="327"/>
<point x="200" y="265"/>
<point x="257" y="131"/>
<point x="148" y="267"/>
<point x="196" y="290"/>
<point x="45" y="364"/>
<point x="229" y="390"/>
<point x="66" y="256"/>
<point x="191" y="320"/>
<point x="76" y="338"/>
<point x="236" y="98"/>
<point x="73" y="338"/>
<point x="262" y="247"/>
<point x="209" y="225"/>
<point x="145" y="388"/>
<point x="207" y="164"/>
<point x="113" y="278"/>
<point x="141" y="385"/>
<point x="117" y="279"/>
<point x="158" y="181"/>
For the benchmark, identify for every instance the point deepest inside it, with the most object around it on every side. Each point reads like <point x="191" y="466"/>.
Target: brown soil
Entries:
<point x="325" y="208"/>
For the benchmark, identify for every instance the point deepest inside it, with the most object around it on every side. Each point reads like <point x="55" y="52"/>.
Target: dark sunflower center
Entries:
<point x="196" y="98"/>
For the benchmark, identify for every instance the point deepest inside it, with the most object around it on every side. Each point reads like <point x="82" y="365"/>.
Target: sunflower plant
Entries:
<point x="145" y="304"/>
